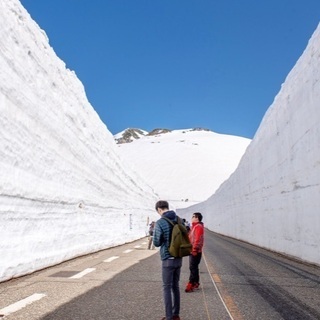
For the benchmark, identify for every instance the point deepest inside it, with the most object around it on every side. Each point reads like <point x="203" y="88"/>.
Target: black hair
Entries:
<point x="198" y="215"/>
<point x="162" y="205"/>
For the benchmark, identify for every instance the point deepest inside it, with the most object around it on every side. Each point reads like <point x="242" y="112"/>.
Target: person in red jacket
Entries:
<point x="196" y="236"/>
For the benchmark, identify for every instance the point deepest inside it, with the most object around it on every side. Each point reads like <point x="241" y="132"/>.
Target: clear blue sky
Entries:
<point x="179" y="64"/>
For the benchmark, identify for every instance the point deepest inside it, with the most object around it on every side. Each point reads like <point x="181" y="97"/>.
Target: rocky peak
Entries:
<point x="130" y="135"/>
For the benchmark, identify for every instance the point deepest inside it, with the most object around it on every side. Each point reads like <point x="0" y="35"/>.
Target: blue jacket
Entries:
<point x="162" y="234"/>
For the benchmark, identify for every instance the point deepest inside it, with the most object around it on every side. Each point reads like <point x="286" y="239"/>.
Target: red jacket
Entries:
<point x="196" y="236"/>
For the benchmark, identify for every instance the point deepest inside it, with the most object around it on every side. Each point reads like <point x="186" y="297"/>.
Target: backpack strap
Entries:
<point x="170" y="221"/>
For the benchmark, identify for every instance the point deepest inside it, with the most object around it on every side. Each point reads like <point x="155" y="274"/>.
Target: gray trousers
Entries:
<point x="171" y="269"/>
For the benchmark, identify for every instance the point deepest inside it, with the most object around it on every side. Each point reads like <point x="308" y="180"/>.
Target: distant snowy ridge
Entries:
<point x="184" y="166"/>
<point x="131" y="134"/>
<point x="273" y="198"/>
<point x="64" y="191"/>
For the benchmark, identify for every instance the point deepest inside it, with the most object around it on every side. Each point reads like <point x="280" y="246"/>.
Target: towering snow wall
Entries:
<point x="273" y="198"/>
<point x="63" y="190"/>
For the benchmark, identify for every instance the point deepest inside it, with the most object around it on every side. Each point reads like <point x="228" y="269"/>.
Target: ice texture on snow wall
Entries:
<point x="273" y="198"/>
<point x="63" y="191"/>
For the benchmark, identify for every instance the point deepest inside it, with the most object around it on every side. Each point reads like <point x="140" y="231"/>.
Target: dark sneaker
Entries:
<point x="175" y="318"/>
<point x="189" y="287"/>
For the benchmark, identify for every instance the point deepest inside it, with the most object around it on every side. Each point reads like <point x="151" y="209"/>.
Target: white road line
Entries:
<point x="127" y="251"/>
<point x="214" y="283"/>
<point x="143" y="243"/>
<point x="137" y="246"/>
<point x="82" y="273"/>
<point x="21" y="304"/>
<point x="111" y="259"/>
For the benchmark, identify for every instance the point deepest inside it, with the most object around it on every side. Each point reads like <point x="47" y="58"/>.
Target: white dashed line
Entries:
<point x="137" y="247"/>
<point x="111" y="259"/>
<point x="127" y="251"/>
<point x="82" y="273"/>
<point x="21" y="304"/>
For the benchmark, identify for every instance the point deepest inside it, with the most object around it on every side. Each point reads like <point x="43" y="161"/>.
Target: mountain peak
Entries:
<point x="184" y="164"/>
<point x="129" y="135"/>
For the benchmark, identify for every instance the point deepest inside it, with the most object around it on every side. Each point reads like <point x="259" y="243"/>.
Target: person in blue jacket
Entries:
<point x="171" y="266"/>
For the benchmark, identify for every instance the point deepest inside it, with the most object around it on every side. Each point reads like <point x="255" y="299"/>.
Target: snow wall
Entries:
<point x="64" y="191"/>
<point x="273" y="198"/>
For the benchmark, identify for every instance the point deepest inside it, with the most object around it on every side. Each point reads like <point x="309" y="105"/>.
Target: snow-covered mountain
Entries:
<point x="273" y="198"/>
<point x="182" y="166"/>
<point x="129" y="135"/>
<point x="64" y="190"/>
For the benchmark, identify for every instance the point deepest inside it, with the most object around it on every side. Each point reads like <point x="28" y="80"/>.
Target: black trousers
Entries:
<point x="194" y="262"/>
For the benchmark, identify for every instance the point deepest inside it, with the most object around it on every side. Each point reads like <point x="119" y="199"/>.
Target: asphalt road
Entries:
<point x="258" y="284"/>
<point x="121" y="283"/>
<point x="238" y="281"/>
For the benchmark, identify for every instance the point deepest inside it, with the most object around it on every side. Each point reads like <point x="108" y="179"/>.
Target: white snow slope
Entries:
<point x="184" y="166"/>
<point x="273" y="198"/>
<point x="64" y="191"/>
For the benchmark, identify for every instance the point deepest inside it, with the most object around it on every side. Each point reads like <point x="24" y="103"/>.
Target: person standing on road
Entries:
<point x="171" y="266"/>
<point x="150" y="239"/>
<point x="196" y="237"/>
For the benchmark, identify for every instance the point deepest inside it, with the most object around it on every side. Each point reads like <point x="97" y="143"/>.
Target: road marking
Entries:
<point x="82" y="273"/>
<point x="21" y="304"/>
<point x="111" y="259"/>
<point x="137" y="246"/>
<point x="127" y="251"/>
<point x="205" y="302"/>
<point x="216" y="278"/>
<point x="226" y="300"/>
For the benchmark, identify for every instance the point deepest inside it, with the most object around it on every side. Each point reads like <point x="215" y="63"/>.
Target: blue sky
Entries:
<point x="179" y="64"/>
